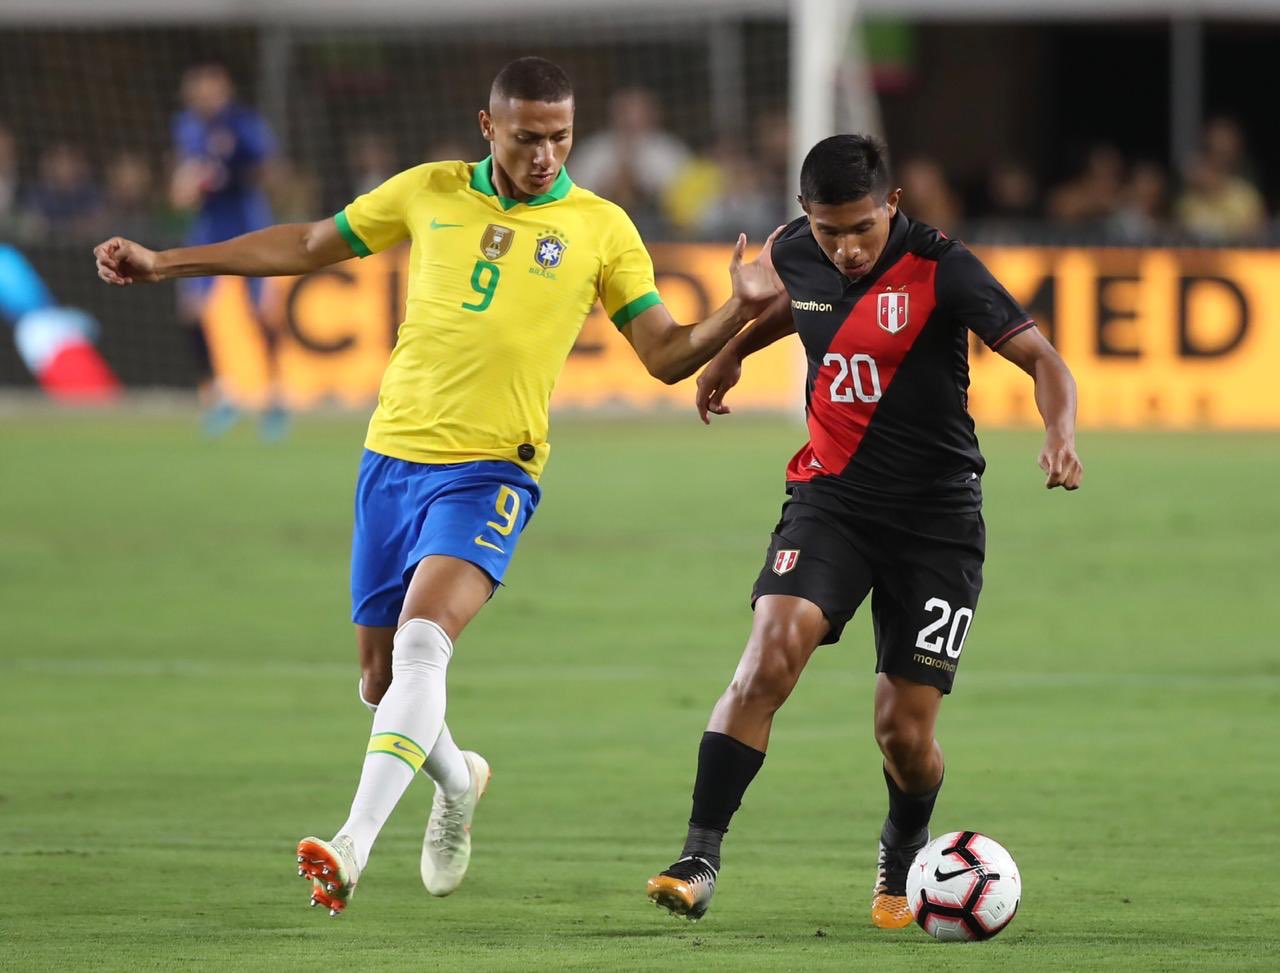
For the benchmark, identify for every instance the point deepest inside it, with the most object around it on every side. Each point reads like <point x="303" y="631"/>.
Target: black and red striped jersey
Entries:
<point x="888" y="353"/>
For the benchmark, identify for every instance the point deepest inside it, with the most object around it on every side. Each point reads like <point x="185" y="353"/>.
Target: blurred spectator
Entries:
<point x="634" y="161"/>
<point x="294" y="191"/>
<point x="371" y="161"/>
<point x="926" y="195"/>
<point x="65" y="199"/>
<point x="772" y="158"/>
<point x="8" y="179"/>
<point x="1219" y="207"/>
<point x="1141" y="214"/>
<point x="1011" y="193"/>
<point x="1094" y="194"/>
<point x="1224" y="147"/>
<point x="1006" y="206"/>
<point x="222" y="150"/>
<point x="130" y="209"/>
<point x="718" y="196"/>
<point x="696" y="191"/>
<point x="450" y="149"/>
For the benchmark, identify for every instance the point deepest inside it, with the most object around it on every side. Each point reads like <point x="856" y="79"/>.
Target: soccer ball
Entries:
<point x="963" y="886"/>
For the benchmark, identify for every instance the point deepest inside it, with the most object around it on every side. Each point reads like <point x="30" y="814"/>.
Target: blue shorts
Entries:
<point x="407" y="511"/>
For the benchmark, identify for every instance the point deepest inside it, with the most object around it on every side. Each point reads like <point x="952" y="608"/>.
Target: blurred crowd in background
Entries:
<point x="673" y="190"/>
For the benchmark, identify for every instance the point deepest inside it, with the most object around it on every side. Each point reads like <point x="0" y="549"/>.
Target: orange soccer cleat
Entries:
<point x="684" y="889"/>
<point x="331" y="866"/>
<point x="889" y="908"/>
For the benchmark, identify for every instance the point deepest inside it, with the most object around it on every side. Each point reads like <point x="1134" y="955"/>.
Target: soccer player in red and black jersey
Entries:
<point x="885" y="497"/>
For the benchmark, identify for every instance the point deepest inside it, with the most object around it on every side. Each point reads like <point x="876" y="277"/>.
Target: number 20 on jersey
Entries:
<point x="857" y="378"/>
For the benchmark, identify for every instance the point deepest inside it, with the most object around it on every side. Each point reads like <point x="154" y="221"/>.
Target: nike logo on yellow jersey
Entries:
<point x="437" y="225"/>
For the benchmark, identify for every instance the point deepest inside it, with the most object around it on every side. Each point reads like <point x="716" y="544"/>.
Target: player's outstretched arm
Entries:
<point x="724" y="370"/>
<point x="672" y="352"/>
<point x="283" y="250"/>
<point x="1056" y="400"/>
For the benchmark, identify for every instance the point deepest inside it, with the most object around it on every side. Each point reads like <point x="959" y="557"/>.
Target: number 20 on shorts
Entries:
<point x="952" y="642"/>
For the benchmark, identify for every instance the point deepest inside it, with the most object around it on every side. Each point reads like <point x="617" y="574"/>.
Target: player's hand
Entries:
<point x="755" y="284"/>
<point x="720" y="375"/>
<point x="122" y="262"/>
<point x="1061" y="465"/>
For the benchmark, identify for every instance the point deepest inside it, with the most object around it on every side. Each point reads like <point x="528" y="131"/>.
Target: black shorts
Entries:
<point x="924" y="570"/>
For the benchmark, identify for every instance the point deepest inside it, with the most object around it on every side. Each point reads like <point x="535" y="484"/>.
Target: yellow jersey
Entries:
<point x="497" y="293"/>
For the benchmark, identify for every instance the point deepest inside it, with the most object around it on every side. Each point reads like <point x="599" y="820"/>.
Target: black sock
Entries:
<point x="703" y="843"/>
<point x="726" y="768"/>
<point x="909" y="814"/>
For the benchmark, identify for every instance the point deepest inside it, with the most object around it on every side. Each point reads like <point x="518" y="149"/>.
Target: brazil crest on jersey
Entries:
<point x="497" y="294"/>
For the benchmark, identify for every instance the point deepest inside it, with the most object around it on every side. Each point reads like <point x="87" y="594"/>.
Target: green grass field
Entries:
<point x="177" y="707"/>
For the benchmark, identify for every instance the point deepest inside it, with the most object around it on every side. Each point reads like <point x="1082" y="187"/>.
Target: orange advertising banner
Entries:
<point x="1156" y="338"/>
<point x="333" y="330"/>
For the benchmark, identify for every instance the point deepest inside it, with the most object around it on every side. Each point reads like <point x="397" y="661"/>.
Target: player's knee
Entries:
<point x="761" y="687"/>
<point x="420" y="647"/>
<point x="904" y="743"/>
<point x="766" y="680"/>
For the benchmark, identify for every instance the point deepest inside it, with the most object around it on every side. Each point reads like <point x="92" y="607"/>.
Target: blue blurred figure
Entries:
<point x="65" y="199"/>
<point x="222" y="149"/>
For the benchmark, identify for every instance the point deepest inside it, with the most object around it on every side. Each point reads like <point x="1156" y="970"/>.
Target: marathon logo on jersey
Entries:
<point x="496" y="241"/>
<point x="811" y="306"/>
<point x="784" y="561"/>
<point x="548" y="252"/>
<point x="891" y="310"/>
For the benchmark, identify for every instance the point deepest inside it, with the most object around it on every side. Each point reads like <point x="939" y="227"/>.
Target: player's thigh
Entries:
<point x="467" y="541"/>
<point x="811" y="557"/>
<point x="447" y="590"/>
<point x="925" y="607"/>
<point x="785" y="631"/>
<point x="903" y="705"/>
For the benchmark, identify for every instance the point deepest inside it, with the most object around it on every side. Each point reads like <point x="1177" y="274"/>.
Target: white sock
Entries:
<point x="410" y="712"/>
<point x="371" y="707"/>
<point x="444" y="764"/>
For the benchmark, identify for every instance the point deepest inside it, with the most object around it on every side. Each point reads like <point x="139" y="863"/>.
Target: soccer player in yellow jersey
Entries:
<point x="508" y="257"/>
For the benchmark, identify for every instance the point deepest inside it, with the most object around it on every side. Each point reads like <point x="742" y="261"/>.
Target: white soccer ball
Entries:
<point x="963" y="886"/>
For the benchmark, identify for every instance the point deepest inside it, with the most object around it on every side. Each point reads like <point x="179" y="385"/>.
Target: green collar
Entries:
<point x="482" y="181"/>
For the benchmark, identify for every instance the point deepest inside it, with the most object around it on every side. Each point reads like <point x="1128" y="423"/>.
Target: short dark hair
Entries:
<point x="843" y="168"/>
<point x="532" y="79"/>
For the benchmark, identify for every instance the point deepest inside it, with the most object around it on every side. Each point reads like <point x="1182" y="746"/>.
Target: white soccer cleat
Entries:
<point x="446" y="847"/>
<point x="332" y="868"/>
